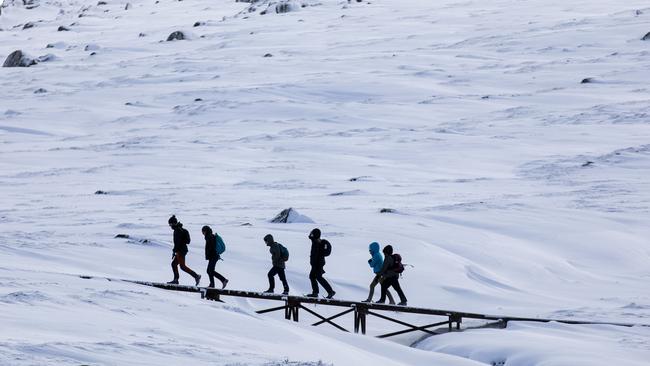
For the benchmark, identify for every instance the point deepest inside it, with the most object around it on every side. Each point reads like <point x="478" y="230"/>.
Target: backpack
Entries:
<point x="284" y="252"/>
<point x="398" y="267"/>
<point x="221" y="246"/>
<point x="327" y="248"/>
<point x="187" y="236"/>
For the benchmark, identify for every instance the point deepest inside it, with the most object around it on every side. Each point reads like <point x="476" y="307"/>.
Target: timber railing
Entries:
<point x="361" y="310"/>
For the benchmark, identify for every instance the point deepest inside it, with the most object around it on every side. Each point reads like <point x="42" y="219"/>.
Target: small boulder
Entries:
<point x="62" y="29"/>
<point x="18" y="59"/>
<point x="198" y="24"/>
<point x="587" y="80"/>
<point x="387" y="210"/>
<point x="101" y="192"/>
<point x="176" y="36"/>
<point x="646" y="37"/>
<point x="40" y="91"/>
<point x="268" y="55"/>
<point x="29" y="25"/>
<point x="289" y="215"/>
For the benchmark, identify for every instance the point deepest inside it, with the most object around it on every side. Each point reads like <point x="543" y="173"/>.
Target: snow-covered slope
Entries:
<point x="515" y="188"/>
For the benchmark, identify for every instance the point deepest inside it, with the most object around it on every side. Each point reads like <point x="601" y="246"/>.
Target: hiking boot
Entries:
<point x="380" y="301"/>
<point x="330" y="295"/>
<point x="173" y="282"/>
<point x="269" y="291"/>
<point x="285" y="292"/>
<point x="366" y="300"/>
<point x="225" y="283"/>
<point x="211" y="285"/>
<point x="198" y="280"/>
<point x="311" y="295"/>
<point x="402" y="303"/>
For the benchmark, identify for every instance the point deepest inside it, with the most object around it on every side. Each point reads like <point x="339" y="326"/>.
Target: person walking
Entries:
<point x="376" y="262"/>
<point x="279" y="257"/>
<point x="390" y="277"/>
<point x="213" y="253"/>
<point x="181" y="240"/>
<point x="320" y="249"/>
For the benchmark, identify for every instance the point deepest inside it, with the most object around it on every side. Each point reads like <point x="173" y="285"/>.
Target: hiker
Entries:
<point x="376" y="263"/>
<point x="181" y="239"/>
<point x="320" y="249"/>
<point x="279" y="256"/>
<point x="214" y="247"/>
<point x="390" y="275"/>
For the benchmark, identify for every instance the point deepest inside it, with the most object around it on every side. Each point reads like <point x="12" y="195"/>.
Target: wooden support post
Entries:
<point x="360" y="312"/>
<point x="291" y="309"/>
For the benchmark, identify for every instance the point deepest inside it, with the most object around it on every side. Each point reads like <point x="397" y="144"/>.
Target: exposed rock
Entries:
<point x="40" y="91"/>
<point x="18" y="59"/>
<point x="122" y="236"/>
<point x="646" y="37"/>
<point x="101" y="192"/>
<point x="387" y="210"/>
<point x="289" y="215"/>
<point x="176" y="36"/>
<point x="100" y="3"/>
<point x="29" y="25"/>
<point x="268" y="55"/>
<point x="127" y="6"/>
<point x="198" y="24"/>
<point x="62" y="29"/>
<point x="588" y="163"/>
<point x="91" y="47"/>
<point x="587" y="80"/>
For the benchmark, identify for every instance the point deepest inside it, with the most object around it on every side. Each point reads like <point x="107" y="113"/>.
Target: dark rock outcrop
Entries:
<point x="176" y="36"/>
<point x="18" y="59"/>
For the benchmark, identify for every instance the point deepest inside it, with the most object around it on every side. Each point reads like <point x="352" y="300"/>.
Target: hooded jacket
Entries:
<point x="387" y="268"/>
<point x="181" y="239"/>
<point x="377" y="260"/>
<point x="211" y="247"/>
<point x="276" y="255"/>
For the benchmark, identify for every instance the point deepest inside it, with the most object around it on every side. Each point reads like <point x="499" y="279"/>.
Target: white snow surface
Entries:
<point x="516" y="189"/>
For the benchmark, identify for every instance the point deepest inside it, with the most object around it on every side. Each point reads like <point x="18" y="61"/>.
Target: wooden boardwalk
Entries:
<point x="292" y="305"/>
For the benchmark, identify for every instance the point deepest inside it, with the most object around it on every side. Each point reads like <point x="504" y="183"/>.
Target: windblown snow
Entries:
<point x="502" y="148"/>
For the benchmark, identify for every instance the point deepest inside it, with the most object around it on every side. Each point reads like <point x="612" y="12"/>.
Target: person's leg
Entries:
<point x="210" y="270"/>
<point x="323" y="282"/>
<point x="373" y="284"/>
<point x="384" y="287"/>
<point x="312" y="278"/>
<point x="175" y="268"/>
<point x="398" y="288"/>
<point x="271" y="276"/>
<point x="185" y="268"/>
<point x="391" y="300"/>
<point x="283" y="278"/>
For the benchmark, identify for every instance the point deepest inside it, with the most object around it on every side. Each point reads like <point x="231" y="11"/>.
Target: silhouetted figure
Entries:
<point x="181" y="239"/>
<point x="279" y="256"/>
<point x="320" y="249"/>
<point x="390" y="277"/>
<point x="212" y="255"/>
<point x="376" y="262"/>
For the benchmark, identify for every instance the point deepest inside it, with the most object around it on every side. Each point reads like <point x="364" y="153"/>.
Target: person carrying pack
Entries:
<point x="320" y="249"/>
<point x="279" y="257"/>
<point x="181" y="240"/>
<point x="376" y="262"/>
<point x="214" y="248"/>
<point x="389" y="273"/>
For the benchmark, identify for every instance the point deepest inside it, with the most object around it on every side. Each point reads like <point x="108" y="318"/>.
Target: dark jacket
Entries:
<point x="211" y="247"/>
<point x="276" y="255"/>
<point x="181" y="239"/>
<point x="387" y="268"/>
<point x="316" y="256"/>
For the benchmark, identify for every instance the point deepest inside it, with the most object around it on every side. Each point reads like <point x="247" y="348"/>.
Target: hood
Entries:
<point x="374" y="247"/>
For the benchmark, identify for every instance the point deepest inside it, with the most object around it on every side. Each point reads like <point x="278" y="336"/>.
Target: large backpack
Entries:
<point x="398" y="267"/>
<point x="221" y="246"/>
<point x="327" y="248"/>
<point x="284" y="252"/>
<point x="187" y="236"/>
